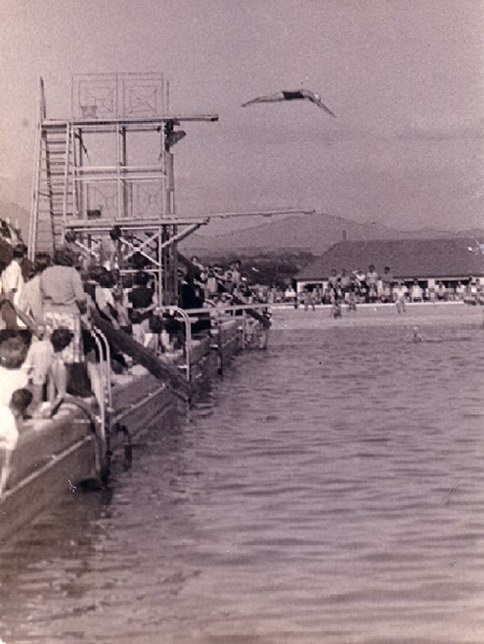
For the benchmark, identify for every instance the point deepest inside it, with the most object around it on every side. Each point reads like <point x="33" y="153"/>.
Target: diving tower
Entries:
<point x="111" y="166"/>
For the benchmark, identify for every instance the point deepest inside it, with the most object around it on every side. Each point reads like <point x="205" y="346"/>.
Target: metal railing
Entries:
<point x="106" y="401"/>
<point x="217" y="314"/>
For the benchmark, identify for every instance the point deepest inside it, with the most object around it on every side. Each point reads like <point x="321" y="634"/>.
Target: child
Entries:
<point x="9" y="415"/>
<point x="19" y="404"/>
<point x="45" y="367"/>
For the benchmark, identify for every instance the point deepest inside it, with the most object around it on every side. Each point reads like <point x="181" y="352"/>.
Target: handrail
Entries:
<point x="105" y="367"/>
<point x="250" y="309"/>
<point x="26" y="319"/>
<point x="230" y="307"/>
<point x="107" y="364"/>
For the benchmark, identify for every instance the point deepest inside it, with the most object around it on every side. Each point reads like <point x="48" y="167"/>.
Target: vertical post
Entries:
<point x="166" y="254"/>
<point x="118" y="171"/>
<point x="65" y="196"/>
<point x="81" y="211"/>
<point x="161" y="301"/>
<point x="34" y="207"/>
<point x="170" y="251"/>
<point x="124" y="161"/>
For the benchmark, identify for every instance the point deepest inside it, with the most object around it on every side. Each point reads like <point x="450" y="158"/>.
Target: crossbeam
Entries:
<point x="105" y="225"/>
<point x="261" y="213"/>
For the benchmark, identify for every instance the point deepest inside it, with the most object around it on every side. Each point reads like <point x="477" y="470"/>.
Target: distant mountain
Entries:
<point x="309" y="233"/>
<point x="312" y="233"/>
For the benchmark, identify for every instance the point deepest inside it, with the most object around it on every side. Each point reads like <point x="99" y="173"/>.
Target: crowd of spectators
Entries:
<point x="358" y="287"/>
<point x="47" y="309"/>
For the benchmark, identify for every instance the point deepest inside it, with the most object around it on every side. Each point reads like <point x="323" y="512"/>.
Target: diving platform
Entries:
<point x="110" y="166"/>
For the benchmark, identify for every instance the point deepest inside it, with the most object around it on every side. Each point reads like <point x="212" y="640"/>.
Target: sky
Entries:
<point x="405" y="79"/>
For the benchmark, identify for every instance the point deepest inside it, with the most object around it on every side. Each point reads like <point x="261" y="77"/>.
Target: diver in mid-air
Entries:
<point x="299" y="94"/>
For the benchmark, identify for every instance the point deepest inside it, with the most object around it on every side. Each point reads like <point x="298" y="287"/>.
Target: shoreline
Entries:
<point x="287" y="318"/>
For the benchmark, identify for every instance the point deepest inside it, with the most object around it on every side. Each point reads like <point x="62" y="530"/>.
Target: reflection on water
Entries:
<point x="328" y="490"/>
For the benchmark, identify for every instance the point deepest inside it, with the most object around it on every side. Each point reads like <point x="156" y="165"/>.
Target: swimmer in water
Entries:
<point x="417" y="336"/>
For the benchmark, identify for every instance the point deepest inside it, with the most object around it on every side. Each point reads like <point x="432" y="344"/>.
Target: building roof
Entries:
<point x="407" y="258"/>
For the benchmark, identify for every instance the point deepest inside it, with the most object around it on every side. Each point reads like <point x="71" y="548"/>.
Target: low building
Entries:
<point x="429" y="261"/>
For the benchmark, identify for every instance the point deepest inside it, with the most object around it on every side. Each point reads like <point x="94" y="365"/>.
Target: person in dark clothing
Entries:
<point x="143" y="302"/>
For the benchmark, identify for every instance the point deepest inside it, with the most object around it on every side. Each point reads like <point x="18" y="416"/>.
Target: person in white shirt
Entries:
<point x="8" y="442"/>
<point x="30" y="301"/>
<point x="12" y="283"/>
<point x="44" y="366"/>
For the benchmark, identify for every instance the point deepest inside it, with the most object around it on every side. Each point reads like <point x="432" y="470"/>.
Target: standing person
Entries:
<point x="121" y="309"/>
<point x="111" y="249"/>
<point x="12" y="286"/>
<point x="351" y="297"/>
<point x="104" y="298"/>
<point x="332" y="279"/>
<point x="64" y="301"/>
<point x="400" y="293"/>
<point x="372" y="278"/>
<point x="361" y="285"/>
<point x="416" y="294"/>
<point x="228" y="284"/>
<point x="235" y="270"/>
<point x="143" y="302"/>
<point x="31" y="298"/>
<point x="387" y="283"/>
<point x="211" y="284"/>
<point x="308" y="299"/>
<point x="344" y="282"/>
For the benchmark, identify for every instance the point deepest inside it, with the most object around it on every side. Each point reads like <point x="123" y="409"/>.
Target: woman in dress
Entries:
<point x="64" y="301"/>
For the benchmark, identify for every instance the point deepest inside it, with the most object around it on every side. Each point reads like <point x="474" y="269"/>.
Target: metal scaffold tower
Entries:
<point x="110" y="168"/>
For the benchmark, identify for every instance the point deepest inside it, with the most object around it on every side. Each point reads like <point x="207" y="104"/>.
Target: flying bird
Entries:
<point x="299" y="94"/>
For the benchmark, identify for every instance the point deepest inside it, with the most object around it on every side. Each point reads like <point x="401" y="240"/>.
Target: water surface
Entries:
<point x="330" y="489"/>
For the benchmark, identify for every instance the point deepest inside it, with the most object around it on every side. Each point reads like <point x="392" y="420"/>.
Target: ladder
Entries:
<point x="53" y="201"/>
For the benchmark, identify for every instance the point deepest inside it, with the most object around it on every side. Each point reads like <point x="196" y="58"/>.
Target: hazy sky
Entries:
<point x="404" y="77"/>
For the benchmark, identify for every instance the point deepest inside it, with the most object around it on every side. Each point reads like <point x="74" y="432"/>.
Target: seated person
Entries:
<point x="44" y="366"/>
<point x="12" y="376"/>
